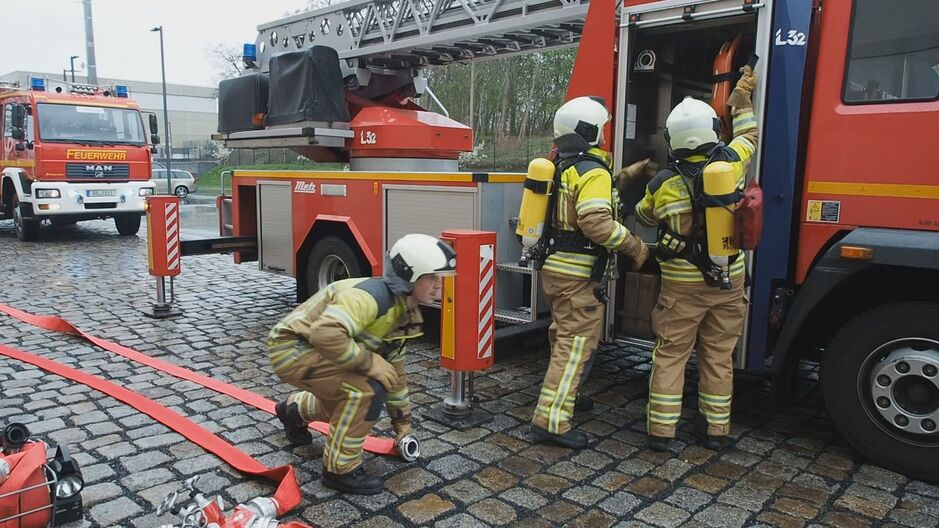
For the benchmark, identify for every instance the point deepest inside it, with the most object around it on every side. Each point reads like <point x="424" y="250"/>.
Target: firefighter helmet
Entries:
<point x="584" y="116"/>
<point x="692" y="127"/>
<point x="415" y="255"/>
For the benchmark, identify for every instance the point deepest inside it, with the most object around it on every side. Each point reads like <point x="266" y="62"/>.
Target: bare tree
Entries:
<point x="226" y="58"/>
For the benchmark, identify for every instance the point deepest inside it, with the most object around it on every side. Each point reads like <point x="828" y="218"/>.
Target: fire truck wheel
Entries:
<point x="330" y="260"/>
<point x="27" y="229"/>
<point x="128" y="224"/>
<point x="880" y="379"/>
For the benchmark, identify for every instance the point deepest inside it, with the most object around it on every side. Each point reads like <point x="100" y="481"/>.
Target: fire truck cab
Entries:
<point x="72" y="152"/>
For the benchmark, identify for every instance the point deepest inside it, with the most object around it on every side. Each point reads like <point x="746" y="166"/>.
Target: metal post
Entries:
<point x="90" y="45"/>
<point x="161" y="294"/>
<point x="168" y="148"/>
<point x="72" y="63"/>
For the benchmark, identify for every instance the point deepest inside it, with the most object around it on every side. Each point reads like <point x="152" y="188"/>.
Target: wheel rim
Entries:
<point x="331" y="270"/>
<point x="182" y="192"/>
<point x="901" y="389"/>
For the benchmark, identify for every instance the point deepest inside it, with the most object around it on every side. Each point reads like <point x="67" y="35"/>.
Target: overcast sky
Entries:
<point x="40" y="35"/>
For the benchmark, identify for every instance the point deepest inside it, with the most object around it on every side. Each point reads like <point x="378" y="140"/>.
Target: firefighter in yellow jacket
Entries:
<point x="700" y="302"/>
<point x="586" y="229"/>
<point x="344" y="349"/>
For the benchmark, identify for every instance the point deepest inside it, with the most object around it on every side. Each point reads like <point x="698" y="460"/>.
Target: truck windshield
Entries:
<point x="90" y="124"/>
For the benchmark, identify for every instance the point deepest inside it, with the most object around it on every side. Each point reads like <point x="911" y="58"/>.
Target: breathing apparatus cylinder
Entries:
<point x="720" y="179"/>
<point x="533" y="211"/>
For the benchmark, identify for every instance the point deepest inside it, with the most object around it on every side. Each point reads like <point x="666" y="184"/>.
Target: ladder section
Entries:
<point x="401" y="34"/>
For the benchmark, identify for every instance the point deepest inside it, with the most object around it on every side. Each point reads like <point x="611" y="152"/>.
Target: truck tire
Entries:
<point x="880" y="380"/>
<point x="331" y="259"/>
<point x="127" y="224"/>
<point x="27" y="229"/>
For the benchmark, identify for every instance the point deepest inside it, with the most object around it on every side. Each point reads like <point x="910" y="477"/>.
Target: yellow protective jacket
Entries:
<point x="588" y="203"/>
<point x="667" y="200"/>
<point x="344" y="324"/>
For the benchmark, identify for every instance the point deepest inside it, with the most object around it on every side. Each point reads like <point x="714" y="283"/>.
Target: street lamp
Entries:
<point x="72" y="62"/>
<point x="168" y="146"/>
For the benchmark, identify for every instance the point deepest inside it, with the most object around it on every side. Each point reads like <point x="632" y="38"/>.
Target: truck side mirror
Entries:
<point x="18" y="133"/>
<point x="19" y="117"/>
<point x="154" y="125"/>
<point x="154" y="139"/>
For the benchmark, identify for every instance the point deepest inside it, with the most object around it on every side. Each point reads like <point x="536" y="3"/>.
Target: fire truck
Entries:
<point x="73" y="152"/>
<point x="846" y="274"/>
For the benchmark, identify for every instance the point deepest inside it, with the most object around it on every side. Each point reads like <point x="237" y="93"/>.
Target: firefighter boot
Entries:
<point x="294" y="426"/>
<point x="583" y="403"/>
<point x="359" y="481"/>
<point x="659" y="443"/>
<point x="572" y="439"/>
<point x="712" y="442"/>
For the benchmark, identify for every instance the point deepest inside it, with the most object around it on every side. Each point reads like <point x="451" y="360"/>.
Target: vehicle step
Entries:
<point x="513" y="268"/>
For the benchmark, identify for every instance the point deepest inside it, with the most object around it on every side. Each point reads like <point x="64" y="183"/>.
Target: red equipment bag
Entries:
<point x="748" y="217"/>
<point x="26" y="471"/>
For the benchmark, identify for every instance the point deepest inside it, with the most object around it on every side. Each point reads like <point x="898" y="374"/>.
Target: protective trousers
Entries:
<point x="576" y="320"/>
<point x="349" y="401"/>
<point x="686" y="313"/>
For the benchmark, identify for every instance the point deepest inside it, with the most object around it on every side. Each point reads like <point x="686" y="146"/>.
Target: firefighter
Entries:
<point x="344" y="349"/>
<point x="699" y="300"/>
<point x="586" y="230"/>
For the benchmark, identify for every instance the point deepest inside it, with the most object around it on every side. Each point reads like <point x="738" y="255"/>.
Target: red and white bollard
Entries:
<point x="467" y="333"/>
<point x="163" y="249"/>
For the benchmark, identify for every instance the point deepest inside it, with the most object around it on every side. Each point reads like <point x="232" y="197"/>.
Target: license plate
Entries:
<point x="101" y="193"/>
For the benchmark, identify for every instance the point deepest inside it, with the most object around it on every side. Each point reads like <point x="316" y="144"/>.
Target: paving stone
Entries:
<point x="460" y="520"/>
<point x="548" y="483"/>
<point x="493" y="512"/>
<point x="661" y="514"/>
<point x="620" y="504"/>
<point x="845" y="520"/>
<point x="593" y="519"/>
<point x="147" y="479"/>
<point x="723" y="516"/>
<point x="110" y="513"/>
<point x="410" y="481"/>
<point x="688" y="499"/>
<point x="560" y="511"/>
<point x="466" y="491"/>
<point x="379" y="521"/>
<point x="100" y="492"/>
<point x="495" y="479"/>
<point x="453" y="466"/>
<point x="585" y="495"/>
<point x="772" y="518"/>
<point x="648" y="486"/>
<point x="425" y="509"/>
<point x="745" y="497"/>
<point x="524" y="498"/>
<point x="143" y="461"/>
<point x="612" y="481"/>
<point x="333" y="513"/>
<point x="796" y="507"/>
<point x="866" y="507"/>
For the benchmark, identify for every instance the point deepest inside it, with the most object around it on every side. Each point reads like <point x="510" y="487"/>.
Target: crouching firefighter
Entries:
<point x="702" y="296"/>
<point x="344" y="349"/>
<point x="581" y="229"/>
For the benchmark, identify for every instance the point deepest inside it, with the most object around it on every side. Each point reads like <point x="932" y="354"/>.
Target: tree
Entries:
<point x="226" y="58"/>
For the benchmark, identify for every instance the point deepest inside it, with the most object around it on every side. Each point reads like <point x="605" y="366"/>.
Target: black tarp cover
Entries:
<point x="306" y="85"/>
<point x="239" y="99"/>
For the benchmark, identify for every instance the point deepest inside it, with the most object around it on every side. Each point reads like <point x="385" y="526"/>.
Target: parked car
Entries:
<point x="182" y="182"/>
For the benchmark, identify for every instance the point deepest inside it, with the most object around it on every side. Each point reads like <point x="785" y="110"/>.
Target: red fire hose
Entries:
<point x="379" y="446"/>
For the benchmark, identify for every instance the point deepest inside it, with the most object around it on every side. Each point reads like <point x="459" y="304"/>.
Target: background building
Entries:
<point x="193" y="112"/>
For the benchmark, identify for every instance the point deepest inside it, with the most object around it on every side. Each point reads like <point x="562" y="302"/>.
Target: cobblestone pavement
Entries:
<point x="790" y="469"/>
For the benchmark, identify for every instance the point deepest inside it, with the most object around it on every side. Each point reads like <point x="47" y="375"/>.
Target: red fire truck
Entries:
<point x="72" y="152"/>
<point x="847" y="273"/>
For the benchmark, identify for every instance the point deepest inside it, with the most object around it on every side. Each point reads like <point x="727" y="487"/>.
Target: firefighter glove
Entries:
<point x="740" y="97"/>
<point x="382" y="372"/>
<point x="402" y="430"/>
<point x="627" y="174"/>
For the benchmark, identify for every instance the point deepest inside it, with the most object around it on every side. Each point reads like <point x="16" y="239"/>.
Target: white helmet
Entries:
<point x="415" y="255"/>
<point x="692" y="127"/>
<point x="584" y="116"/>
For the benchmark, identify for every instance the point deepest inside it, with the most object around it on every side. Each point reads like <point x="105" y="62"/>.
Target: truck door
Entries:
<point x="669" y="50"/>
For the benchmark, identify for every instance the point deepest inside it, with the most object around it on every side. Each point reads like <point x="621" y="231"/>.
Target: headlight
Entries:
<point x="48" y="193"/>
<point x="68" y="487"/>
<point x="146" y="191"/>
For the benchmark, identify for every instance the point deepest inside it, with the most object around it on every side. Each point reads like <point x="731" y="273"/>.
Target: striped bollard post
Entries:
<point x="163" y="250"/>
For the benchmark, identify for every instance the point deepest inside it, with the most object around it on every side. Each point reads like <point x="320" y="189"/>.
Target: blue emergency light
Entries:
<point x="250" y="53"/>
<point x="120" y="90"/>
<point x="38" y="84"/>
